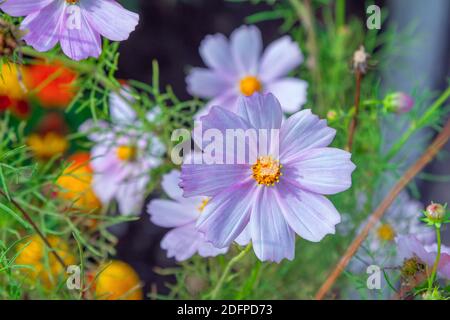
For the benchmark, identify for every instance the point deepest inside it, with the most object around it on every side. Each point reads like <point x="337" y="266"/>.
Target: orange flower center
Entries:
<point x="72" y="1"/>
<point x="249" y="85"/>
<point x="126" y="153"/>
<point x="386" y="232"/>
<point x="267" y="171"/>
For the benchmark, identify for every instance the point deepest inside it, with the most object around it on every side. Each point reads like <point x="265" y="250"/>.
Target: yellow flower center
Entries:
<point x="267" y="171"/>
<point x="203" y="205"/>
<point x="386" y="232"/>
<point x="72" y="1"/>
<point x="249" y="85"/>
<point x="126" y="153"/>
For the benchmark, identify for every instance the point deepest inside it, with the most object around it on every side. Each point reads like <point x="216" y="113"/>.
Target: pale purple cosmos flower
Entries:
<point x="238" y="67"/>
<point x="276" y="196"/>
<point x="181" y="214"/>
<point x="122" y="156"/>
<point x="410" y="247"/>
<point x="76" y="24"/>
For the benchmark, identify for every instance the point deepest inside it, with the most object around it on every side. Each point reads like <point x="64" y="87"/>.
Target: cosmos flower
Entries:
<point x="122" y="156"/>
<point x="181" y="214"/>
<point x="238" y="67"/>
<point x="117" y="280"/>
<point x="275" y="197"/>
<point x="57" y="93"/>
<point x="398" y="102"/>
<point x="76" y="24"/>
<point x="411" y="247"/>
<point x="403" y="217"/>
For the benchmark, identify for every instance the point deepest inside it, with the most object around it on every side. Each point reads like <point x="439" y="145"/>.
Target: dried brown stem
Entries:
<point x="354" y="122"/>
<point x="429" y="154"/>
<point x="36" y="228"/>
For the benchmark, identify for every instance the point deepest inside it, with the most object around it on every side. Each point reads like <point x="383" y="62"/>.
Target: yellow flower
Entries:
<point x="75" y="184"/>
<point x="45" y="266"/>
<point x="118" y="281"/>
<point x="9" y="82"/>
<point x="47" y="146"/>
<point x="386" y="232"/>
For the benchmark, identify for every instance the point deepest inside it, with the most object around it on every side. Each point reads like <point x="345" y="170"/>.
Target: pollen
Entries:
<point x="202" y="206"/>
<point x="126" y="153"/>
<point x="72" y="1"/>
<point x="249" y="85"/>
<point x="386" y="232"/>
<point x="267" y="171"/>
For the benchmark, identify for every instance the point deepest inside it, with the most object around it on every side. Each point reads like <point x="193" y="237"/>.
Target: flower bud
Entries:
<point x="435" y="211"/>
<point x="398" y="102"/>
<point x="332" y="115"/>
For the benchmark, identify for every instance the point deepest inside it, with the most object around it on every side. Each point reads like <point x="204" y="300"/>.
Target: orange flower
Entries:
<point x="117" y="281"/>
<point x="54" y="85"/>
<point x="44" y="265"/>
<point x="75" y="184"/>
<point x="47" y="146"/>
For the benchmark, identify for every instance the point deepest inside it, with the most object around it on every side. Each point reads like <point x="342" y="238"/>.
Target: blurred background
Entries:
<point x="170" y="31"/>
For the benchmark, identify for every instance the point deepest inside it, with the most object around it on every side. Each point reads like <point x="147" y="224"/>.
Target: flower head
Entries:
<point x="435" y="212"/>
<point x="398" y="102"/>
<point x="181" y="214"/>
<point x="410" y="247"/>
<point x="48" y="145"/>
<point x="122" y="156"/>
<point x="76" y="24"/>
<point x="45" y="267"/>
<point x="277" y="194"/>
<point x="117" y="280"/>
<point x="237" y="67"/>
<point x="59" y="82"/>
<point x="75" y="184"/>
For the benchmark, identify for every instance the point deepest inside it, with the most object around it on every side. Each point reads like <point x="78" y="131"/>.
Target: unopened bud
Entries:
<point x="435" y="211"/>
<point x="331" y="115"/>
<point x="398" y="102"/>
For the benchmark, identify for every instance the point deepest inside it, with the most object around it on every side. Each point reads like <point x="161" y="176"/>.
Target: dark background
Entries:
<point x="170" y="31"/>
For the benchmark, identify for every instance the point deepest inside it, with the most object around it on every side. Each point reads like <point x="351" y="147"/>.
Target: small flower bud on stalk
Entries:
<point x="398" y="102"/>
<point x="435" y="212"/>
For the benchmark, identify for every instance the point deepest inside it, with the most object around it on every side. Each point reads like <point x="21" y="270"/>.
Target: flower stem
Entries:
<point x="436" y="262"/>
<point x="340" y="13"/>
<point x="36" y="229"/>
<point x="227" y="270"/>
<point x="354" y="122"/>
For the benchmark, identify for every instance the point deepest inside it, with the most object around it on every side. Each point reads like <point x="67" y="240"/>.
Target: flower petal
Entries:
<point x="246" y="47"/>
<point x="262" y="111"/>
<point x="279" y="58"/>
<point x="80" y="43"/>
<point x="211" y="179"/>
<point x="17" y="8"/>
<point x="291" y="92"/>
<point x="227" y="214"/>
<point x="169" y="214"/>
<point x="409" y="246"/>
<point x="43" y="26"/>
<point x="181" y="243"/>
<point x="205" y="83"/>
<point x="216" y="53"/>
<point x="303" y="131"/>
<point x="311" y="216"/>
<point x="322" y="170"/>
<point x="110" y="19"/>
<point x="272" y="238"/>
<point x="227" y="101"/>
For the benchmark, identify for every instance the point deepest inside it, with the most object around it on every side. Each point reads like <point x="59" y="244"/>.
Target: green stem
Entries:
<point x="436" y="262"/>
<point x="418" y="124"/>
<point x="340" y="14"/>
<point x="227" y="270"/>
